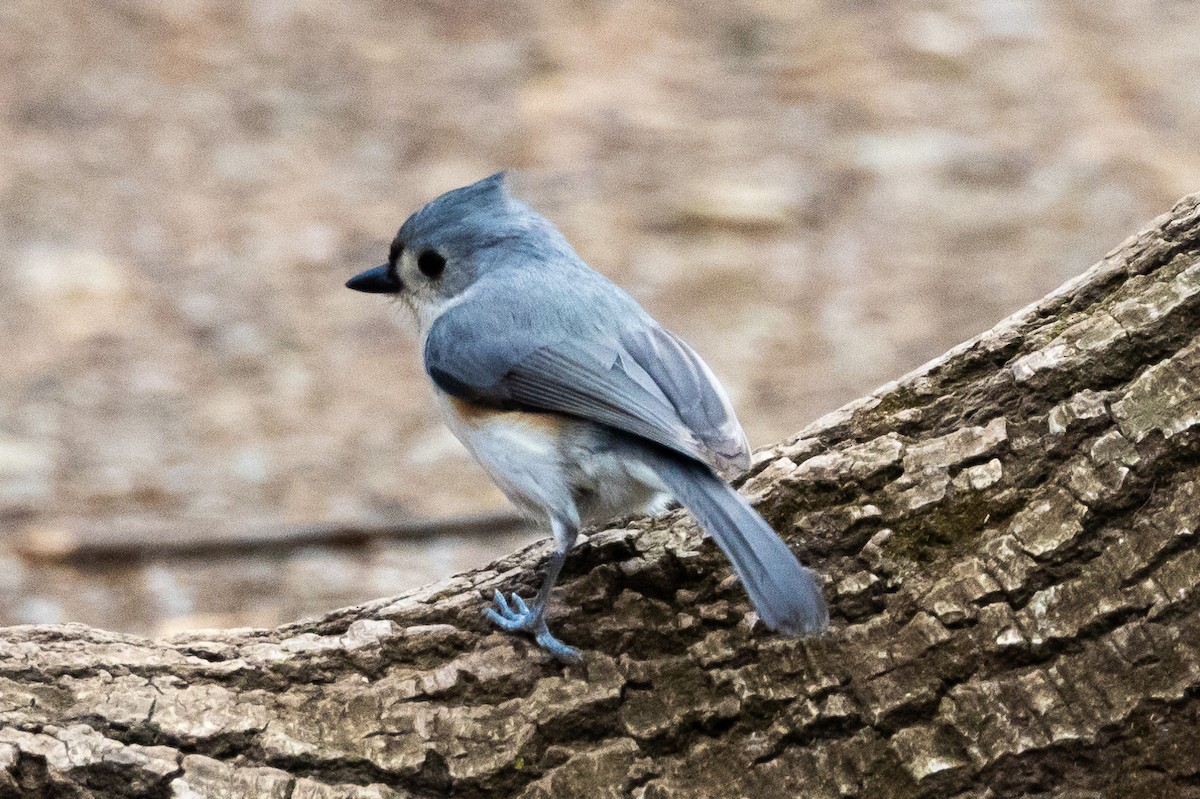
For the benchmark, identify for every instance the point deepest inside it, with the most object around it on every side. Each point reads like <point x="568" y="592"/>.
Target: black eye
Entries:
<point x="431" y="263"/>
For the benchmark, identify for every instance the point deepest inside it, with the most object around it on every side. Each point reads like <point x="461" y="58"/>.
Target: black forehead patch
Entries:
<point x="395" y="250"/>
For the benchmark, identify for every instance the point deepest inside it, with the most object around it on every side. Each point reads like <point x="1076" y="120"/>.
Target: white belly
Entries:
<point x="554" y="464"/>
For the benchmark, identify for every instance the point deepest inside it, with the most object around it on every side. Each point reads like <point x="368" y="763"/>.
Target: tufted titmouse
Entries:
<point x="576" y="402"/>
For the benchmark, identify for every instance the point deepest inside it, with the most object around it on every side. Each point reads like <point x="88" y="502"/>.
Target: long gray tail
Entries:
<point x="784" y="593"/>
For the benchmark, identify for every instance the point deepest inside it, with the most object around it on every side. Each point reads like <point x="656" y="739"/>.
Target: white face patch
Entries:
<point x="425" y="304"/>
<point x="411" y="317"/>
<point x="427" y="311"/>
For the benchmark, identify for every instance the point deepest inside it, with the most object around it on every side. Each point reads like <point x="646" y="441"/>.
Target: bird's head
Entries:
<point x="447" y="246"/>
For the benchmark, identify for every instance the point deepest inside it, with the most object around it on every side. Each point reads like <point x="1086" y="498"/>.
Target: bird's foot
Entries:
<point x="519" y="617"/>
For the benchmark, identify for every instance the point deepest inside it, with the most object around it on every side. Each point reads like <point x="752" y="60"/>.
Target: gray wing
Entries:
<point x="623" y="371"/>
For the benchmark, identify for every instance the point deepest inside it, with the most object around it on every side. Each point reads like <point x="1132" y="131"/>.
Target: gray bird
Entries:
<point x="574" y="400"/>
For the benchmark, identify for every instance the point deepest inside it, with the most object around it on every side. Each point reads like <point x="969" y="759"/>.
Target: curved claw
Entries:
<point x="556" y="647"/>
<point x="502" y="603"/>
<point x="516" y="616"/>
<point x="519" y="617"/>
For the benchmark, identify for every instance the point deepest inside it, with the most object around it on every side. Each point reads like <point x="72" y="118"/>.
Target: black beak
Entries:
<point x="380" y="280"/>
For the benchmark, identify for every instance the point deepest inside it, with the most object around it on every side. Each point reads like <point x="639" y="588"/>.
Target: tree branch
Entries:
<point x="1010" y="538"/>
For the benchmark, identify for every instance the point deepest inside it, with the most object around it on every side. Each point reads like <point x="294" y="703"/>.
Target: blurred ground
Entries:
<point x="819" y="196"/>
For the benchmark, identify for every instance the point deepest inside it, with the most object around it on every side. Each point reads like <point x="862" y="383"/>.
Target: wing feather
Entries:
<point x="624" y="371"/>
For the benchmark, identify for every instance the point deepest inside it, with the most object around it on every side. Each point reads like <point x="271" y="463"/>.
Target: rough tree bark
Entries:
<point x="1010" y="539"/>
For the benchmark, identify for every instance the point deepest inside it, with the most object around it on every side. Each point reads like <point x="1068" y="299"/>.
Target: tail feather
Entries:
<point x="785" y="594"/>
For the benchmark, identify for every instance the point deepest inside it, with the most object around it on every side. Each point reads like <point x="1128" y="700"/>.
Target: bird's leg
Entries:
<point x="518" y="616"/>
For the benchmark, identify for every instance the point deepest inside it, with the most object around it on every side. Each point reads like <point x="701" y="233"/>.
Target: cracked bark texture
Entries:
<point x="1009" y="535"/>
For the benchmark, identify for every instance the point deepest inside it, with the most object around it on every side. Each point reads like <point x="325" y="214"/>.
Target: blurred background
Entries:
<point x="199" y="426"/>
